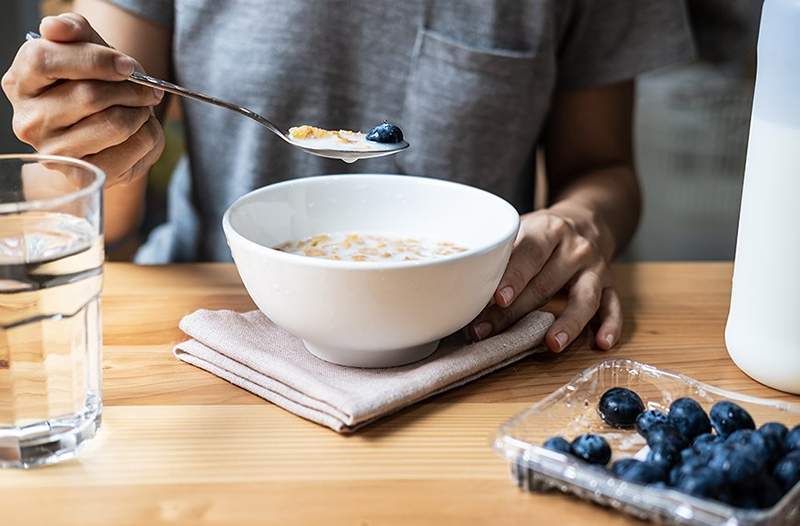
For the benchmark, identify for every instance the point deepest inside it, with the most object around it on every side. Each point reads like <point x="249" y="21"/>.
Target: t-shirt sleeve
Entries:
<point x="158" y="11"/>
<point x="607" y="41"/>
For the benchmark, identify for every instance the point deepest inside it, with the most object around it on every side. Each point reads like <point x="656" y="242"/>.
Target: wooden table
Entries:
<point x="180" y="446"/>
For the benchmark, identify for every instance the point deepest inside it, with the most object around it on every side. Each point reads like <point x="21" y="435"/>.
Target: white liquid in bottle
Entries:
<point x="763" y="330"/>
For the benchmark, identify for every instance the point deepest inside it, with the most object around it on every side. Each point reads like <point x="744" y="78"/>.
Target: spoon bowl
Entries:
<point x="351" y="156"/>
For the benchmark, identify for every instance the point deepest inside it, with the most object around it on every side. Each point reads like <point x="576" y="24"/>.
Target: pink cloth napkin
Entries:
<point x="250" y="351"/>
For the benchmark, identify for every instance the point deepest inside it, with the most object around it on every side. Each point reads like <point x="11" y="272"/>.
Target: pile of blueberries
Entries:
<point x="720" y="455"/>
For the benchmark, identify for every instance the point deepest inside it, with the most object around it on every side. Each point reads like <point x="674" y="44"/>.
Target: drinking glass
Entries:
<point x="51" y="268"/>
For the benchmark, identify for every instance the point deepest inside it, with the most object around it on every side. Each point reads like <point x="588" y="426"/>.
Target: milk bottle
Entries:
<point x="763" y="330"/>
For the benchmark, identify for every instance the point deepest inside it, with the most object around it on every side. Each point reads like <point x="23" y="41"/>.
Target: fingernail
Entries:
<point x="124" y="65"/>
<point x="506" y="294"/>
<point x="610" y="340"/>
<point x="561" y="339"/>
<point x="69" y="20"/>
<point x="482" y="330"/>
<point x="159" y="94"/>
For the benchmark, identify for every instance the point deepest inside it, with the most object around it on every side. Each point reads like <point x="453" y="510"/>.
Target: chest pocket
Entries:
<point x="473" y="115"/>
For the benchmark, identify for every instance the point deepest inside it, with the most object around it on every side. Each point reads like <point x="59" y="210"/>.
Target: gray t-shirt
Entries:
<point x="469" y="82"/>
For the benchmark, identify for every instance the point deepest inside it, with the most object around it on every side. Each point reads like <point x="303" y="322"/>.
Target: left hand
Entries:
<point x="550" y="255"/>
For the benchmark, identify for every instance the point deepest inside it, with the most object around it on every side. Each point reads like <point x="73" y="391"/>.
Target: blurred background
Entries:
<point x="691" y="128"/>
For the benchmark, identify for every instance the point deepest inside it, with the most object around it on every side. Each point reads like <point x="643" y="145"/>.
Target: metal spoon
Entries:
<point x="379" y="149"/>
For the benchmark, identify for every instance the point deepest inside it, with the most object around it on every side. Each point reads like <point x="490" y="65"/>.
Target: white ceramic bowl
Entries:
<point x="370" y="314"/>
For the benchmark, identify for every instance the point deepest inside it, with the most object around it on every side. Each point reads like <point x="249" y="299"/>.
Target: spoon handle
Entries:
<point x="146" y="80"/>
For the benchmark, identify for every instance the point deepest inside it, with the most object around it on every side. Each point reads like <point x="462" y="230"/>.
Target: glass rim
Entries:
<point x="52" y="202"/>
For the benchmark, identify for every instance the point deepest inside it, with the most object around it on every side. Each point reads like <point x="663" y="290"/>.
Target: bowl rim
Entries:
<point x="231" y="232"/>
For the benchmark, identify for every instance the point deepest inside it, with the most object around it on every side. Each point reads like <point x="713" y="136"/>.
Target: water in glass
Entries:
<point x="51" y="257"/>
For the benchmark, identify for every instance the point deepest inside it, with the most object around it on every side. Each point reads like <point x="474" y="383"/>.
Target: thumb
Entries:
<point x="69" y="27"/>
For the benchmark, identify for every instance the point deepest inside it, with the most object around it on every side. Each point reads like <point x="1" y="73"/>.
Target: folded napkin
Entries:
<point x="250" y="351"/>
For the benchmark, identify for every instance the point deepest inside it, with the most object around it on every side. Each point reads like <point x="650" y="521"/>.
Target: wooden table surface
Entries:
<point x="180" y="446"/>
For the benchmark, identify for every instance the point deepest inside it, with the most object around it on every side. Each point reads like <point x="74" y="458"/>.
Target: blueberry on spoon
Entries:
<point x="386" y="133"/>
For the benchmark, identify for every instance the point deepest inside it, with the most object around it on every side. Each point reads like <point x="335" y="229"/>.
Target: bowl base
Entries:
<point x="372" y="359"/>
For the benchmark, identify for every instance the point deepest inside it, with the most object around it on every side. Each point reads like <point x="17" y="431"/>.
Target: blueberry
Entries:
<point x="727" y="417"/>
<point x="691" y="455"/>
<point x="702" y="482"/>
<point x="648" y="419"/>
<point x="664" y="456"/>
<point x="687" y="467"/>
<point x="619" y="407"/>
<point x="738" y="463"/>
<point x="688" y="417"/>
<point x="787" y="471"/>
<point x="642" y="473"/>
<point x="559" y="444"/>
<point x="621" y="466"/>
<point x="774" y="434"/>
<point x="760" y="492"/>
<point x="768" y="491"/>
<point x="752" y="439"/>
<point x="666" y="434"/>
<point x="592" y="448"/>
<point x="706" y="442"/>
<point x="385" y="132"/>
<point x="793" y="439"/>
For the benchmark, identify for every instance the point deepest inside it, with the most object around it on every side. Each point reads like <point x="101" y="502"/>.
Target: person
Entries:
<point x="475" y="85"/>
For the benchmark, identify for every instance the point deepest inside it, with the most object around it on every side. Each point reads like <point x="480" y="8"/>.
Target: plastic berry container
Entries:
<point x="572" y="410"/>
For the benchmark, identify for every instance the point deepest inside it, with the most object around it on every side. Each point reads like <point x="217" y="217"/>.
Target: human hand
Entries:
<point x="550" y="255"/>
<point x="70" y="98"/>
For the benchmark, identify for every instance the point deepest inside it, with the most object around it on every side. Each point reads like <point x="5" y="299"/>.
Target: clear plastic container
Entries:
<point x="572" y="410"/>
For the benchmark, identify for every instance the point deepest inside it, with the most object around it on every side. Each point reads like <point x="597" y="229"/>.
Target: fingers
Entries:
<point x="539" y="238"/>
<point x="610" y="317"/>
<point x="69" y="27"/>
<point x="40" y="63"/>
<point x="97" y="132"/>
<point x="553" y="276"/>
<point x="551" y="255"/>
<point x="584" y="300"/>
<point x="86" y="97"/>
<point x="132" y="158"/>
<point x="526" y="261"/>
<point x="69" y="99"/>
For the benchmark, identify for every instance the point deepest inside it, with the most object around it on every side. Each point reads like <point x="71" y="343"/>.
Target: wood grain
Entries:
<point x="179" y="446"/>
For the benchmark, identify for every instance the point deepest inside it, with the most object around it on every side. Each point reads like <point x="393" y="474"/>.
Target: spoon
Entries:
<point x="377" y="149"/>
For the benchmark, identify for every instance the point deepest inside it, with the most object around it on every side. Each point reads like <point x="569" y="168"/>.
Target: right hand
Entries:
<point x="70" y="98"/>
